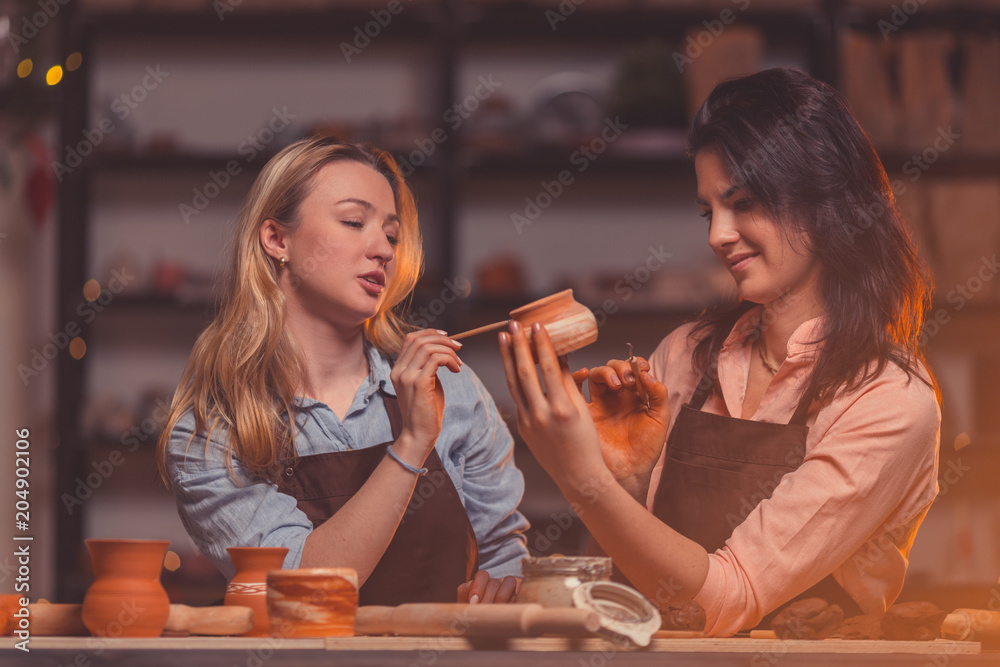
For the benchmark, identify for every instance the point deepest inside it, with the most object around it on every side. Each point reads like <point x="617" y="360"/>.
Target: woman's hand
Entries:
<point x="554" y="422"/>
<point x="485" y="589"/>
<point x="631" y="435"/>
<point x="421" y="398"/>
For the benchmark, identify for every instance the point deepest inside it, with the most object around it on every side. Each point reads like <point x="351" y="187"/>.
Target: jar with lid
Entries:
<point x="550" y="581"/>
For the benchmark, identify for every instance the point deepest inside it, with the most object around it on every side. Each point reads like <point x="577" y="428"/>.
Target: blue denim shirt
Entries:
<point x="475" y="447"/>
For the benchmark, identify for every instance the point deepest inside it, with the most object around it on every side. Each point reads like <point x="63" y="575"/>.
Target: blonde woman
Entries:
<point x="398" y="463"/>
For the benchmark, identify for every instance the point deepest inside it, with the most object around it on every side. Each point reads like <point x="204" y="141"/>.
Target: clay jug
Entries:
<point x="126" y="598"/>
<point x="248" y="586"/>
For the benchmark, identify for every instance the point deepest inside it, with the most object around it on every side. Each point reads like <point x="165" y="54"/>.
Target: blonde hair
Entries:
<point x="244" y="368"/>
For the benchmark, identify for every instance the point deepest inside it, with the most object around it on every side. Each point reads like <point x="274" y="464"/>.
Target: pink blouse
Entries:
<point x="852" y="508"/>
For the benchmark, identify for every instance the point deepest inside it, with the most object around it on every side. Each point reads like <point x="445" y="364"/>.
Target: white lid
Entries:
<point x="627" y="618"/>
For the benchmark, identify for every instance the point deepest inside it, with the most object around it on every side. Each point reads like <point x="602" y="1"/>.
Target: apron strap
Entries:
<point x="705" y="387"/>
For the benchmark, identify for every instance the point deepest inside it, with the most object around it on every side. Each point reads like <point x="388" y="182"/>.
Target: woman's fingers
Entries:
<point x="552" y="371"/>
<point x="463" y="592"/>
<point x="510" y="372"/>
<point x="427" y="358"/>
<point x="580" y="376"/>
<point x="623" y="370"/>
<point x="603" y="379"/>
<point x="657" y="393"/>
<point x="508" y="590"/>
<point x="478" y="586"/>
<point x="485" y="589"/>
<point x="490" y="595"/>
<point x="524" y="363"/>
<point x="416" y="342"/>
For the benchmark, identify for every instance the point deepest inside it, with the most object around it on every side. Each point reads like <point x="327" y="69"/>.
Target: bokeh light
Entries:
<point x="54" y="75"/>
<point x="91" y="289"/>
<point x="77" y="348"/>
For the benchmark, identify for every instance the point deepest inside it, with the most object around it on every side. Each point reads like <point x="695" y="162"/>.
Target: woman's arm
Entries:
<point x="359" y="533"/>
<point x="557" y="426"/>
<point x="219" y="512"/>
<point x="492" y="487"/>
<point x="852" y="508"/>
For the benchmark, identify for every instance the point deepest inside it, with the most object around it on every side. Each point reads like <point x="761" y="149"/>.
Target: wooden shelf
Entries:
<point x="335" y="23"/>
<point x="532" y="21"/>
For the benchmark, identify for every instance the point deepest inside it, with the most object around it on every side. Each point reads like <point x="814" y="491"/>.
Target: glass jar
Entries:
<point x="550" y="581"/>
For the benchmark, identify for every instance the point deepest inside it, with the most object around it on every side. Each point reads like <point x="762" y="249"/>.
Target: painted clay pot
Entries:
<point x="570" y="324"/>
<point x="248" y="587"/>
<point x="126" y="598"/>
<point x="312" y="602"/>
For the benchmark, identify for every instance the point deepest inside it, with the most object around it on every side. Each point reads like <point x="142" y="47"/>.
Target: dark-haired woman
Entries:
<point x="801" y="425"/>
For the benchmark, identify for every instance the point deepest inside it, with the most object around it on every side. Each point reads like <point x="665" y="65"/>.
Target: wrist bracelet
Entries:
<point x="415" y="471"/>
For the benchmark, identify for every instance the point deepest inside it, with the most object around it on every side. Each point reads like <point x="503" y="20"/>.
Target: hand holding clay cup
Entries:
<point x="312" y="602"/>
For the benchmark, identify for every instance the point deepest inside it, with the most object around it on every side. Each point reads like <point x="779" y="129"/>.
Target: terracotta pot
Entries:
<point x="126" y="598"/>
<point x="570" y="324"/>
<point x="312" y="602"/>
<point x="10" y="604"/>
<point x="248" y="587"/>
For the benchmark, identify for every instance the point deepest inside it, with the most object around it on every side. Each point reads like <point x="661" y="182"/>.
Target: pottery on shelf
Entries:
<point x="312" y="602"/>
<point x="570" y="324"/>
<point x="126" y="598"/>
<point x="248" y="587"/>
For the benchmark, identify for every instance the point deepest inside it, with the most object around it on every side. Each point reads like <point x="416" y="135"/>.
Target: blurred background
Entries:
<point x="544" y="140"/>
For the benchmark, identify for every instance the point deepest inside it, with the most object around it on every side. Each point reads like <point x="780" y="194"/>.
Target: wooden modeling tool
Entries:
<point x="479" y="330"/>
<point x="634" y="363"/>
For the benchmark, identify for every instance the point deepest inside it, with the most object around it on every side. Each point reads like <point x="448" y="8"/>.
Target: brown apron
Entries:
<point x="718" y="469"/>
<point x="434" y="549"/>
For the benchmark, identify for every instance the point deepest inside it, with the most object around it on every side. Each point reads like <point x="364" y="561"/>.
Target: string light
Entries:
<point x="54" y="75"/>
<point x="24" y="67"/>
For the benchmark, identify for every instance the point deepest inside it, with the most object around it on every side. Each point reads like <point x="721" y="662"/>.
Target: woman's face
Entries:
<point x="341" y="253"/>
<point x="766" y="261"/>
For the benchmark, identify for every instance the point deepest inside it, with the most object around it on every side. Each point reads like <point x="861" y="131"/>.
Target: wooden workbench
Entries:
<point x="444" y="651"/>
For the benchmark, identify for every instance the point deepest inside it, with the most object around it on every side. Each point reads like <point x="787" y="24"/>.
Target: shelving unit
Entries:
<point x="448" y="35"/>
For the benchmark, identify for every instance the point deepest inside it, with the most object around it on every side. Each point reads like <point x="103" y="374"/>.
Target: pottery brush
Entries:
<point x="634" y="363"/>
<point x="479" y="330"/>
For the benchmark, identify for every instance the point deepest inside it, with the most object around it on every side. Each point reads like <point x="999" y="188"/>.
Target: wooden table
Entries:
<point x="446" y="651"/>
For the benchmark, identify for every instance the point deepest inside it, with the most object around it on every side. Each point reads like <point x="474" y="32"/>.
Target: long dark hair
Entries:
<point x="793" y="144"/>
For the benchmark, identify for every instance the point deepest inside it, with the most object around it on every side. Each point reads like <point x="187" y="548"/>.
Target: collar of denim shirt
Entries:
<point x="379" y="369"/>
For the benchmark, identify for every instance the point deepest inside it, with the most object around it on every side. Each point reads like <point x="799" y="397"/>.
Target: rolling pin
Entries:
<point x="64" y="620"/>
<point x="977" y="625"/>
<point x="482" y="620"/>
<point x="57" y="620"/>
<point x="227" y="620"/>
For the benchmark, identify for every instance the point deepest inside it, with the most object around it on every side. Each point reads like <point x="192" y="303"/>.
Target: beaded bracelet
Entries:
<point x="415" y="471"/>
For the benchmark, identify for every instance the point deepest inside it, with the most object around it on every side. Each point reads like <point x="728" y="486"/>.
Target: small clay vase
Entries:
<point x="570" y="324"/>
<point x="248" y="587"/>
<point x="126" y="598"/>
<point x="312" y="602"/>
